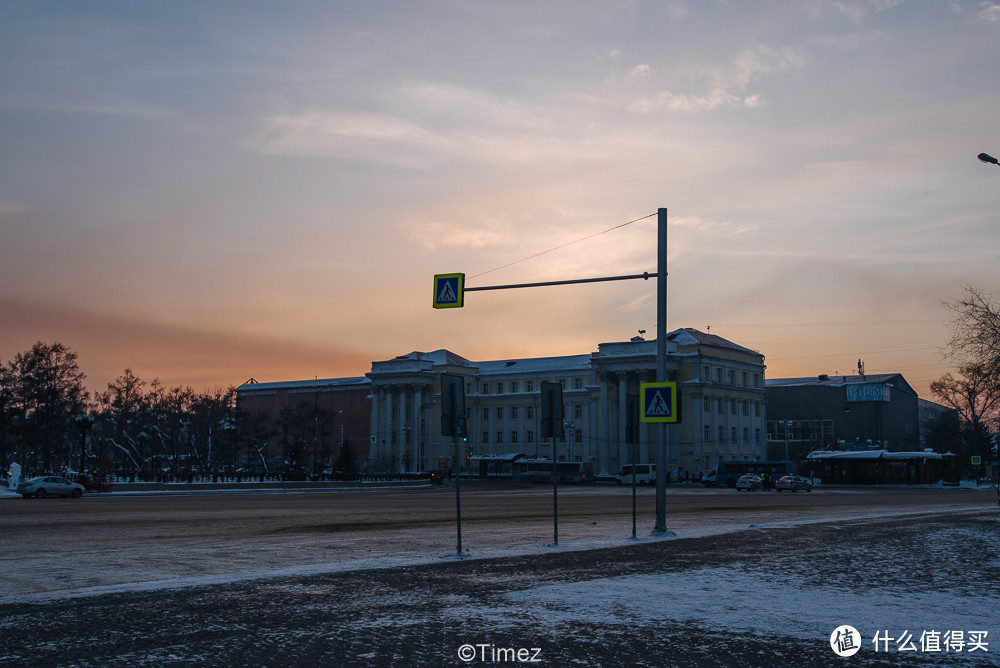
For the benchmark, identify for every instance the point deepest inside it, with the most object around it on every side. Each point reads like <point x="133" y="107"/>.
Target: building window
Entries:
<point x="499" y="412"/>
<point x="530" y="436"/>
<point x="722" y="434"/>
<point x="746" y="434"/>
<point x="499" y="388"/>
<point x="708" y="434"/>
<point x="718" y="376"/>
<point x="486" y="415"/>
<point x="706" y="374"/>
<point x="499" y="437"/>
<point x="746" y="408"/>
<point x="578" y="383"/>
<point x="732" y="433"/>
<point x="732" y="406"/>
<point x="577" y="411"/>
<point x="732" y="376"/>
<point x="529" y="412"/>
<point x="513" y="386"/>
<point x="707" y="401"/>
<point x="719" y="406"/>
<point x="756" y="380"/>
<point x="486" y="437"/>
<point x="746" y="379"/>
<point x="578" y="436"/>
<point x="756" y="409"/>
<point x="756" y="435"/>
<point x="513" y="412"/>
<point x="529" y="386"/>
<point x="468" y="388"/>
<point x="485" y="388"/>
<point x="513" y="437"/>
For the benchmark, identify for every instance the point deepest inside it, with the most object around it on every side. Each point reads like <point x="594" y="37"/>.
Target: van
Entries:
<point x="645" y="474"/>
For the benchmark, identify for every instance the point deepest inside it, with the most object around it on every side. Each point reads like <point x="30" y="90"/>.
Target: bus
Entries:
<point x="645" y="474"/>
<point x="540" y="470"/>
<point x="726" y="473"/>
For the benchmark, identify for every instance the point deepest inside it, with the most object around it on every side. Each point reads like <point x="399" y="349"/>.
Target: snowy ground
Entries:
<point x="768" y="592"/>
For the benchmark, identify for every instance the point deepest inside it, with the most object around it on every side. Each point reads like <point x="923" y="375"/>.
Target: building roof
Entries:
<point x="874" y="454"/>
<point x="536" y="365"/>
<point x="315" y="384"/>
<point x="687" y="336"/>
<point x="836" y="381"/>
<point x="440" y="357"/>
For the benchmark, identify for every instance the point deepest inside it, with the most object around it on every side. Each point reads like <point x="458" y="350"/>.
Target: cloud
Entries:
<point x="7" y="208"/>
<point x="176" y="354"/>
<point x="724" y="87"/>
<point x="437" y="234"/>
<point x="990" y="12"/>
<point x="640" y="72"/>
<point x="352" y="136"/>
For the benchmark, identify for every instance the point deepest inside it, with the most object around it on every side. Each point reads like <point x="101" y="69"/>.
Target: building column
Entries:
<point x="388" y="455"/>
<point x="604" y="428"/>
<point x="415" y="420"/>
<point x="623" y="447"/>
<point x="373" y="425"/>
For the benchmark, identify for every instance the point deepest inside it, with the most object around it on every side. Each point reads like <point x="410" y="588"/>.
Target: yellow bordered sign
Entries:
<point x="449" y="290"/>
<point x="658" y="402"/>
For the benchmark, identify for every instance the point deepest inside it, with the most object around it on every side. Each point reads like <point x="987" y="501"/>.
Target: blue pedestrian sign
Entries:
<point x="449" y="290"/>
<point x="659" y="402"/>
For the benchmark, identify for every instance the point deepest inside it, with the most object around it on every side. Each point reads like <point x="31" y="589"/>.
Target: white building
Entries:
<point x="722" y="404"/>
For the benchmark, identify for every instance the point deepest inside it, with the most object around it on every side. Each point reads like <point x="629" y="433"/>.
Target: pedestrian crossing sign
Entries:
<point x="449" y="290"/>
<point x="659" y="402"/>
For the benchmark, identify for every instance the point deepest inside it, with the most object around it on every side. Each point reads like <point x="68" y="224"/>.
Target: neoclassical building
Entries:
<point x="720" y="385"/>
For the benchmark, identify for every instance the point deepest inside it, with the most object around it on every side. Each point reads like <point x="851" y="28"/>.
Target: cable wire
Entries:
<point x="591" y="236"/>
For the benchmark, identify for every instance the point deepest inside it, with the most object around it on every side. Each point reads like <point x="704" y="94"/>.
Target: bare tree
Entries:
<point x="975" y="396"/>
<point x="975" y="330"/>
<point x="974" y="392"/>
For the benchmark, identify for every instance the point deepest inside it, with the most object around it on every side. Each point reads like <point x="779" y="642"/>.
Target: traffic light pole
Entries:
<point x="660" y="529"/>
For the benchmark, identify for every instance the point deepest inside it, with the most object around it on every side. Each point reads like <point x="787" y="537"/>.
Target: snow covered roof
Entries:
<point x="536" y="365"/>
<point x="835" y="381"/>
<point x="688" y="336"/>
<point x="875" y="454"/>
<point x="438" y="357"/>
<point x="315" y="384"/>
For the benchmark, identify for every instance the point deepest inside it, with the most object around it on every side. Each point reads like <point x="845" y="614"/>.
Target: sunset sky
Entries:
<point x="206" y="192"/>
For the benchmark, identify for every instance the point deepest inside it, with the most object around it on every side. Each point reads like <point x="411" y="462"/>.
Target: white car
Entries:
<point x="793" y="483"/>
<point x="751" y="482"/>
<point x="50" y="486"/>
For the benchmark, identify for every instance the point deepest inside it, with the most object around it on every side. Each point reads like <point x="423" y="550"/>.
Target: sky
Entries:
<point x="210" y="192"/>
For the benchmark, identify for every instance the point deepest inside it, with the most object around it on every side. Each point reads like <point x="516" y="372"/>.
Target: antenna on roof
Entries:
<point x="708" y="329"/>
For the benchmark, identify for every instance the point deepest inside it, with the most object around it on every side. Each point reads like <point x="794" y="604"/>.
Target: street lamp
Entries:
<point x="988" y="159"/>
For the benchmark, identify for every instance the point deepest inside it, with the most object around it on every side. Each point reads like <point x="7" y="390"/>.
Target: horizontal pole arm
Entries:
<point x="644" y="276"/>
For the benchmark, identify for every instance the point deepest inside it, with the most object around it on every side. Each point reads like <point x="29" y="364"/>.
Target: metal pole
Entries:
<point x="555" y="496"/>
<point x="645" y="276"/>
<point x="633" y="458"/>
<point x="661" y="369"/>
<point x="458" y="496"/>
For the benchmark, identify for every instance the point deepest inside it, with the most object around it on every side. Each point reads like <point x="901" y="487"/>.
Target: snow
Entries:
<point x="935" y="585"/>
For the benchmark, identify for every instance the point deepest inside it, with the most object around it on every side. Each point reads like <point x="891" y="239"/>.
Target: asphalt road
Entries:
<point x="124" y="540"/>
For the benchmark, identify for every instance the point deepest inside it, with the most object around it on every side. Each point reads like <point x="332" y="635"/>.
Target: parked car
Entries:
<point x="50" y="486"/>
<point x="750" y="482"/>
<point x="793" y="483"/>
